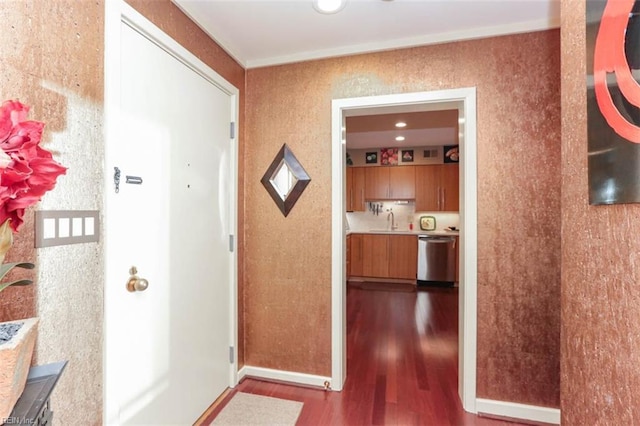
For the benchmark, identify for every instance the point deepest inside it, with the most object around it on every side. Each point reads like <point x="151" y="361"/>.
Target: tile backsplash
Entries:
<point x="404" y="213"/>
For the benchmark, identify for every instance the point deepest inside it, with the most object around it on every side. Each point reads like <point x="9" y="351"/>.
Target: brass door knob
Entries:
<point x="136" y="283"/>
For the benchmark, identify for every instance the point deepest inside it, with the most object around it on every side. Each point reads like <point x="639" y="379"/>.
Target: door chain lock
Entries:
<point x="116" y="178"/>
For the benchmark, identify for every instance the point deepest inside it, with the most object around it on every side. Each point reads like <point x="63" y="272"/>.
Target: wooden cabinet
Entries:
<point x="383" y="256"/>
<point x="390" y="183"/>
<point x="348" y="256"/>
<point x="450" y="186"/>
<point x="457" y="259"/>
<point x="355" y="189"/>
<point x="376" y="183"/>
<point x="403" y="256"/>
<point x="427" y="188"/>
<point x="355" y="255"/>
<point x="375" y="255"/>
<point x="437" y="187"/>
<point x="402" y="183"/>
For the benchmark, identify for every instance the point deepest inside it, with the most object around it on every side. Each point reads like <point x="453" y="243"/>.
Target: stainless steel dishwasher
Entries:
<point x="436" y="260"/>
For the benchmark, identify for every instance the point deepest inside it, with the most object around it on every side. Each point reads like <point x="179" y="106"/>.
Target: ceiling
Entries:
<point x="266" y="32"/>
<point x="423" y="128"/>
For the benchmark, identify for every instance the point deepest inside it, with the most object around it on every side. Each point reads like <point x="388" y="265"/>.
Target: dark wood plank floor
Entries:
<point x="402" y="357"/>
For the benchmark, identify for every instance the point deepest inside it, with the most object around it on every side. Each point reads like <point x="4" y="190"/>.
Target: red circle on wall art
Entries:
<point x="609" y="58"/>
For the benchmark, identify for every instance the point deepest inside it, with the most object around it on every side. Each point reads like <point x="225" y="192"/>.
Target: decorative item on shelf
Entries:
<point x="389" y="156"/>
<point x="451" y="154"/>
<point x="27" y="172"/>
<point x="407" y="156"/>
<point x="371" y="158"/>
<point x="428" y="223"/>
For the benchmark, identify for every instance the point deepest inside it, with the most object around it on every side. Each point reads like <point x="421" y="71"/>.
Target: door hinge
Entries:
<point x="231" y="243"/>
<point x="232" y="130"/>
<point x="231" y="355"/>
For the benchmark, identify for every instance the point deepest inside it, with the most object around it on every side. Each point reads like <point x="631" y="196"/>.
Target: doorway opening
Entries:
<point x="465" y="101"/>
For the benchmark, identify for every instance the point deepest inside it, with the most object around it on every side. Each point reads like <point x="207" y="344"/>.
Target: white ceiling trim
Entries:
<point x="196" y="18"/>
<point x="521" y="27"/>
<point x="475" y="33"/>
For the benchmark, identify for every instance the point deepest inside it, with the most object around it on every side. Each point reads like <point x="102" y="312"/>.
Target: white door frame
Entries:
<point x="117" y="11"/>
<point x="342" y="108"/>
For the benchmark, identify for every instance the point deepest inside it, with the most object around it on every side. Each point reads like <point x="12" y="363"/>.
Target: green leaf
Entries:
<point x="6" y="267"/>
<point x="18" y="282"/>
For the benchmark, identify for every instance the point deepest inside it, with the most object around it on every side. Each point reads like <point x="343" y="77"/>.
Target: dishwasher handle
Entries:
<point x="437" y="239"/>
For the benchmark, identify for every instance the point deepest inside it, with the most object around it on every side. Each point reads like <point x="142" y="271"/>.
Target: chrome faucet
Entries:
<point x="393" y="221"/>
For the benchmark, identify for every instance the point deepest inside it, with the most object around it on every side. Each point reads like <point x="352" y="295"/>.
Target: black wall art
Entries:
<point x="613" y="97"/>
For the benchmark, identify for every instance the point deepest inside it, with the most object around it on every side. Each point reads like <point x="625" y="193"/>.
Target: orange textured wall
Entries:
<point x="171" y="20"/>
<point x="600" y="273"/>
<point x="35" y="50"/>
<point x="288" y="260"/>
<point x="51" y="58"/>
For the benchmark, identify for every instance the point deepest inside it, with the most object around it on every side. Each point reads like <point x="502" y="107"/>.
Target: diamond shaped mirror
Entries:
<point x="285" y="180"/>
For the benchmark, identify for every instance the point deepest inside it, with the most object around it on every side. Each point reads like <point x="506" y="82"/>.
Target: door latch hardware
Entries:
<point x="136" y="283"/>
<point x="116" y="179"/>
<point x="136" y="180"/>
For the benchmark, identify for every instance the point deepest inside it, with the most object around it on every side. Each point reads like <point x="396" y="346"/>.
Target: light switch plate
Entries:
<point x="62" y="227"/>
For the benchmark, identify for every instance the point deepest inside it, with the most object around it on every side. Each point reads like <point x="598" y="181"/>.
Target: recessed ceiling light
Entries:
<point x="399" y="138"/>
<point x="329" y="6"/>
<point x="401" y="124"/>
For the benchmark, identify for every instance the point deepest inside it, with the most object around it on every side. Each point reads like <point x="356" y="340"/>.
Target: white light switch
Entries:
<point x="63" y="227"/>
<point x="49" y="228"/>
<point x="76" y="227"/>
<point x="89" y="226"/>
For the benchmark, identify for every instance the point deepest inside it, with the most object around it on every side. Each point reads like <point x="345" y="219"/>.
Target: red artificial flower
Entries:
<point x="27" y="171"/>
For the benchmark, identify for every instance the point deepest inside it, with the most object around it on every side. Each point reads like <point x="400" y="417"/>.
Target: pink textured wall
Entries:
<point x="600" y="273"/>
<point x="51" y="58"/>
<point x="35" y="50"/>
<point x="288" y="261"/>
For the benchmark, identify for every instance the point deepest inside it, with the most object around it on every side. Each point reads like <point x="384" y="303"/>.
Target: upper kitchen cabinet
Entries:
<point x="402" y="183"/>
<point x="450" y="187"/>
<point x="427" y="188"/>
<point x="437" y="187"/>
<point x="355" y="189"/>
<point x="390" y="183"/>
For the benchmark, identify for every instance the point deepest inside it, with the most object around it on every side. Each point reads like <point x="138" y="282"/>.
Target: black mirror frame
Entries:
<point x="298" y="172"/>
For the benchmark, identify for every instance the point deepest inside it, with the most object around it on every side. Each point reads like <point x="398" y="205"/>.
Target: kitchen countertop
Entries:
<point x="414" y="232"/>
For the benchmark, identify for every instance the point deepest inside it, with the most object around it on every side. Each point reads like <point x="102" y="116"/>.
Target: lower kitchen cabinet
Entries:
<point x="355" y="255"/>
<point x="457" y="259"/>
<point x="348" y="256"/>
<point x="375" y="255"/>
<point x="403" y="256"/>
<point x="383" y="256"/>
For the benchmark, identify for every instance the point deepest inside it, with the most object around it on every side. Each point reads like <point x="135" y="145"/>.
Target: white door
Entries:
<point x="167" y="348"/>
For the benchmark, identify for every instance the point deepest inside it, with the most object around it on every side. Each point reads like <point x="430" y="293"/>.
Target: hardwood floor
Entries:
<point x="402" y="355"/>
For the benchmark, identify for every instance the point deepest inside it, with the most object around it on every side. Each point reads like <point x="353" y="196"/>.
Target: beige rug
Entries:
<point x="249" y="409"/>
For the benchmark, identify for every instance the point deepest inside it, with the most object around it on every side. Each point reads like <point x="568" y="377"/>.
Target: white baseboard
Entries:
<point x="283" y="376"/>
<point x="518" y="411"/>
